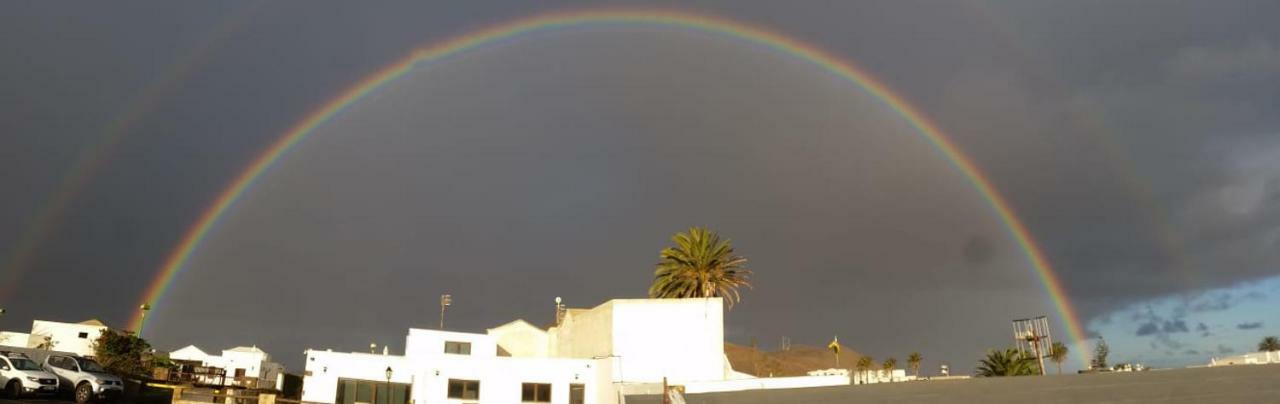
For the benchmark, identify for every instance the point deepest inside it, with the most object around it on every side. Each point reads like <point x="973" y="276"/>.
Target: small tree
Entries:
<point x="123" y="353"/>
<point x="913" y="361"/>
<point x="1058" y="353"/>
<point x="864" y="364"/>
<point x="1100" y="353"/>
<point x="888" y="366"/>
<point x="1269" y="344"/>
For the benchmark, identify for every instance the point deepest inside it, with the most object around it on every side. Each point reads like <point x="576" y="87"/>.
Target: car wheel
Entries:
<point x="84" y="393"/>
<point x="13" y="389"/>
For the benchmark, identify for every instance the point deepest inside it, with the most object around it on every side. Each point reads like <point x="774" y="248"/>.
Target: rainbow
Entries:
<point x="91" y="160"/>
<point x="832" y="64"/>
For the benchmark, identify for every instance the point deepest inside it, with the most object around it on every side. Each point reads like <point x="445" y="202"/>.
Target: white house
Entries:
<point x="597" y="355"/>
<point x="76" y="338"/>
<point x="244" y="366"/>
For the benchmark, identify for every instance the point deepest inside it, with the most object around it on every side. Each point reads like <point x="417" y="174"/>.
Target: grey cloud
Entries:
<point x="1256" y="59"/>
<point x="1174" y="326"/>
<point x="1147" y="329"/>
<point x="1223" y="349"/>
<point x="1249" y="326"/>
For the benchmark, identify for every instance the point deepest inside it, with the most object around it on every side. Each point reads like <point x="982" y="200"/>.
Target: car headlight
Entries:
<point x="33" y="378"/>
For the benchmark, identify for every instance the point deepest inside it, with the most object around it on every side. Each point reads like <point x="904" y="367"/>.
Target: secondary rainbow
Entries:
<point x="178" y="258"/>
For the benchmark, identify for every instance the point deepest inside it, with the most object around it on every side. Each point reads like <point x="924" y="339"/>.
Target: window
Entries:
<point x="84" y="335"/>
<point x="577" y="394"/>
<point x="535" y="392"/>
<point x="464" y="389"/>
<point x="352" y="391"/>
<point x="239" y="372"/>
<point x="457" y="348"/>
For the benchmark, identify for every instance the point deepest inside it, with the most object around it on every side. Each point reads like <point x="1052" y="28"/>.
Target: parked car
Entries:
<point x="85" y="379"/>
<point x="21" y="376"/>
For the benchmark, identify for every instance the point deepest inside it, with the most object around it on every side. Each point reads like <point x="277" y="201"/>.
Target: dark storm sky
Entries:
<point x="1137" y="140"/>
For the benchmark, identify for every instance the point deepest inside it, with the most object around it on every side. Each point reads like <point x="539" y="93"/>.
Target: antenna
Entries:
<point x="559" y="310"/>
<point x="1032" y="335"/>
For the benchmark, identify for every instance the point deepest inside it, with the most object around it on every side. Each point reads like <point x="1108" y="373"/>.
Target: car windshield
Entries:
<point x="88" y="365"/>
<point x="24" y="364"/>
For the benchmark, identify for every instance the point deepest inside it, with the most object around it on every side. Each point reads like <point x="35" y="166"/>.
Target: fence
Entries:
<point x="183" y="395"/>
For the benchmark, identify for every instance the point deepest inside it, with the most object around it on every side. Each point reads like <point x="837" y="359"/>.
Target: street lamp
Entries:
<point x="143" y="321"/>
<point x="372" y="347"/>
<point x="388" y="385"/>
<point x="446" y="300"/>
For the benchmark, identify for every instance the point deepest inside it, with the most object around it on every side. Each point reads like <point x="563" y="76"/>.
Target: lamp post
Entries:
<point x="388" y="385"/>
<point x="373" y="347"/>
<point x="446" y="300"/>
<point x="142" y="321"/>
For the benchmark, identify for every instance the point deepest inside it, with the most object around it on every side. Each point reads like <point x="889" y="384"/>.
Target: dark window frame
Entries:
<point x="541" y="392"/>
<point x="457" y="347"/>
<point x="467" y="389"/>
<point x="577" y="388"/>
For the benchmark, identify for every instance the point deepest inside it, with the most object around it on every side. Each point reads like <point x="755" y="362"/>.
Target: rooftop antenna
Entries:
<point x="1032" y="335"/>
<point x="559" y="311"/>
<point x="446" y="300"/>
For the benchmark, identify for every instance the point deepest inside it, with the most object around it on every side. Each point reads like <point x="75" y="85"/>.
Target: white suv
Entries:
<point x="20" y="376"/>
<point x="84" y="377"/>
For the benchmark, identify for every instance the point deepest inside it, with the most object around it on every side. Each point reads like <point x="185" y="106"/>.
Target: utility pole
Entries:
<point x="445" y="301"/>
<point x="142" y="322"/>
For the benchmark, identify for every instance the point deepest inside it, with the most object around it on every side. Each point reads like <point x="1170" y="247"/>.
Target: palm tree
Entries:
<point x="864" y="364"/>
<point x="1269" y="344"/>
<point x="700" y="265"/>
<point x="1007" y="362"/>
<point x="888" y="366"/>
<point x="913" y="361"/>
<point x="1058" y="353"/>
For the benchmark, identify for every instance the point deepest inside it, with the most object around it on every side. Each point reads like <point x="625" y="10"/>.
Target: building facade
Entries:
<point x="76" y="338"/>
<point x="592" y="356"/>
<point x="244" y="367"/>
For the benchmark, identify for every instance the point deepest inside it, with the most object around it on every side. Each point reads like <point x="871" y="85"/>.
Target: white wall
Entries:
<point x="584" y="333"/>
<point x="66" y="336"/>
<point x="766" y="383"/>
<point x="681" y="339"/>
<point x="430" y="343"/>
<point x="500" y="377"/>
<point x="324" y="368"/>
<point x="521" y="339"/>
<point x="14" y="339"/>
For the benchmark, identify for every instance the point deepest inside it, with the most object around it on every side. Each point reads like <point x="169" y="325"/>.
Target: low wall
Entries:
<point x="764" y="383"/>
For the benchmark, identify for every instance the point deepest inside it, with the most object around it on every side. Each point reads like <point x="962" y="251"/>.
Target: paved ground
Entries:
<point x="35" y="401"/>
<point x="1229" y="384"/>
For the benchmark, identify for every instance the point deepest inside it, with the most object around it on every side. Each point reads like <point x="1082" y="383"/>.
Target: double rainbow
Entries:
<point x="605" y="18"/>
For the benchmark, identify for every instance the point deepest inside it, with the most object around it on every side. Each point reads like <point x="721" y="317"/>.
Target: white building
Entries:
<point x="76" y="338"/>
<point x="244" y="366"/>
<point x="624" y="346"/>
<point x="1252" y="358"/>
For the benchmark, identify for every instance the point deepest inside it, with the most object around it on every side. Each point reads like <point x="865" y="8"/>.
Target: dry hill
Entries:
<point x="797" y="361"/>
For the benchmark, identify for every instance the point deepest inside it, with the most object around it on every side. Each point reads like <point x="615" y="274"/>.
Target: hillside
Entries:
<point x="797" y="361"/>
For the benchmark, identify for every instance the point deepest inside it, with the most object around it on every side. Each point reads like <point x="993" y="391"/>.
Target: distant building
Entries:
<point x="881" y="376"/>
<point x="1252" y="358"/>
<point x="76" y="338"/>
<point x="240" y="366"/>
<point x="593" y="356"/>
